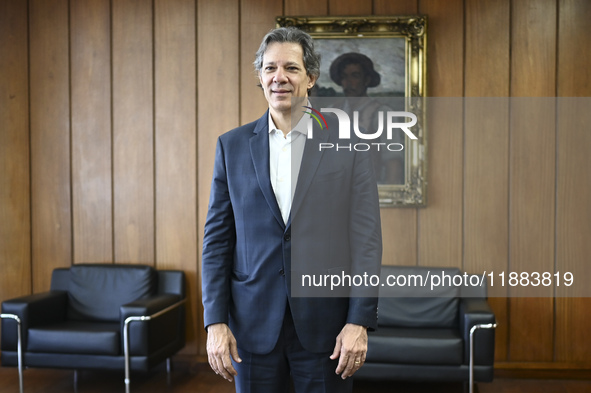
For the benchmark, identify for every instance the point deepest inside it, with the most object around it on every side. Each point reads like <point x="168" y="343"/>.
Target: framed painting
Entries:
<point x="377" y="64"/>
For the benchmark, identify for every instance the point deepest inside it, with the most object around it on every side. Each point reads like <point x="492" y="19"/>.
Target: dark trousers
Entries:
<point x="271" y="373"/>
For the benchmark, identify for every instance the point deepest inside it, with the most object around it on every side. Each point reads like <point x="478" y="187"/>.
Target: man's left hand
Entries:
<point x="350" y="348"/>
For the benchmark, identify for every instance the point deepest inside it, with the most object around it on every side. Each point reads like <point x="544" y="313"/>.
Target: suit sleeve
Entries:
<point x="218" y="245"/>
<point x="366" y="241"/>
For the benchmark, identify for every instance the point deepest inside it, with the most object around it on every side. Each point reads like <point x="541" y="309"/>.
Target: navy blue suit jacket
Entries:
<point x="250" y="256"/>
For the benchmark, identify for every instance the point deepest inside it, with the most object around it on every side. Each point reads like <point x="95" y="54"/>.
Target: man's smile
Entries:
<point x="280" y="91"/>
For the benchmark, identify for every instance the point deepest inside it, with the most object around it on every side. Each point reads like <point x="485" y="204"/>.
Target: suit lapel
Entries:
<point x="310" y="161"/>
<point x="259" y="151"/>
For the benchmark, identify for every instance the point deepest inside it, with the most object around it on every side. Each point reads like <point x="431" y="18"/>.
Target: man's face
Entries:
<point x="354" y="81"/>
<point x="284" y="76"/>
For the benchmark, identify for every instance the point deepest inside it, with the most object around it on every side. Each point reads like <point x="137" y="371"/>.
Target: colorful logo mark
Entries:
<point x="317" y="116"/>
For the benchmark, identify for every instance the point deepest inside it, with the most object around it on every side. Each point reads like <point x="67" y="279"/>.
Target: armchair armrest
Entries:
<point x="32" y="310"/>
<point x="152" y="332"/>
<point x="473" y="312"/>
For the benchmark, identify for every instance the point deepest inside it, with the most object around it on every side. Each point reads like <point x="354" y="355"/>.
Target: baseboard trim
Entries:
<point x="543" y="370"/>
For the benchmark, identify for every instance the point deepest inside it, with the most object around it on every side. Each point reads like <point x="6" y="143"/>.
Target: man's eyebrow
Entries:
<point x="289" y="63"/>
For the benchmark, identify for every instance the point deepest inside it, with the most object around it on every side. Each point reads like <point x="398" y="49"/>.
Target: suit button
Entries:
<point x="282" y="272"/>
<point x="287" y="237"/>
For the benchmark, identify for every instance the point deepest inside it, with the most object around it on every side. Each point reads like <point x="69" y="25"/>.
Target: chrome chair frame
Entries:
<point x="19" y="349"/>
<point x="471" y="366"/>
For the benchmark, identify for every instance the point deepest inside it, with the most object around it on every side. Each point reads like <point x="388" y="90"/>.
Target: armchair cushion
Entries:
<point x="413" y="302"/>
<point x="415" y="346"/>
<point x="77" y="337"/>
<point x="422" y="312"/>
<point x="97" y="291"/>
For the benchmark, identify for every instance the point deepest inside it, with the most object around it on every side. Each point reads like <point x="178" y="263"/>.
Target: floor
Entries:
<point x="198" y="378"/>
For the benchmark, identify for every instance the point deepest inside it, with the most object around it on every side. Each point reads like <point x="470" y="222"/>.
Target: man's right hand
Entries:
<point x="221" y="345"/>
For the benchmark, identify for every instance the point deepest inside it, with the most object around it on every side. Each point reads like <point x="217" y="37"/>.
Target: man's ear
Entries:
<point x="312" y="81"/>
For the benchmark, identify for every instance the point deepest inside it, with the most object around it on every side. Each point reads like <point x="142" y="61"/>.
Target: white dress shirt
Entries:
<point x="285" y="155"/>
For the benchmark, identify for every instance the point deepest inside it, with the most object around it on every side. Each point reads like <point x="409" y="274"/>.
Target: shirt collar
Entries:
<point x="301" y="127"/>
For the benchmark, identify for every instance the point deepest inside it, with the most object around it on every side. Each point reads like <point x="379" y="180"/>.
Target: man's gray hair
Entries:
<point x="291" y="35"/>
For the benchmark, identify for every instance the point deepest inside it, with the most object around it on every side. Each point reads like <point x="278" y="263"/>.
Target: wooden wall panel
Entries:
<point x="176" y="148"/>
<point x="257" y="17"/>
<point x="50" y="139"/>
<point x="90" y="54"/>
<point x="15" y="215"/>
<point x="388" y="7"/>
<point x="532" y="180"/>
<point x="336" y="7"/>
<point x="573" y="180"/>
<point x="399" y="226"/>
<point x="217" y="81"/>
<point x="306" y="7"/>
<point x="574" y="44"/>
<point x="486" y="147"/>
<point x="440" y="236"/>
<point x="133" y="131"/>
<point x="573" y="219"/>
<point x="533" y="48"/>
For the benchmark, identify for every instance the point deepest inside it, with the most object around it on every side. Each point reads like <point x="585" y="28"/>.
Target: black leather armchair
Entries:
<point x="97" y="316"/>
<point x="425" y="333"/>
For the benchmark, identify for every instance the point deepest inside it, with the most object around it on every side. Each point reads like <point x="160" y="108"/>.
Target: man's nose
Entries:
<point x="279" y="76"/>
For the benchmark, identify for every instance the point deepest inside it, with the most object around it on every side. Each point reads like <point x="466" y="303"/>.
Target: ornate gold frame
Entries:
<point x="413" y="30"/>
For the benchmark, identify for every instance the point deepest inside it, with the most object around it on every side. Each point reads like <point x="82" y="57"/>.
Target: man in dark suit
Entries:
<point x="281" y="210"/>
